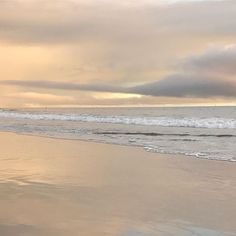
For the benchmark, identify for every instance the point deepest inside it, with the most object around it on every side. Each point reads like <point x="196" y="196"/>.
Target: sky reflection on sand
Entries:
<point x="58" y="187"/>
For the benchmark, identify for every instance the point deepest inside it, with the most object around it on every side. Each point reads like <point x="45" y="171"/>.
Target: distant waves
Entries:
<point x="192" y="122"/>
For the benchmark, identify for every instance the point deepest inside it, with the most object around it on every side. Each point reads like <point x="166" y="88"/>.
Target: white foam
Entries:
<point x="192" y="122"/>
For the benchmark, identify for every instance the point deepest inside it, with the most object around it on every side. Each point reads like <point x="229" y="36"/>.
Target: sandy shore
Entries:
<point x="60" y="187"/>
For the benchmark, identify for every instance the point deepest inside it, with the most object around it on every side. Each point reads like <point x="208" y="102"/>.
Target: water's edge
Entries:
<point x="172" y="155"/>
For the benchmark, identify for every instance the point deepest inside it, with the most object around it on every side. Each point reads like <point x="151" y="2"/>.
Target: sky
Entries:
<point x="117" y="52"/>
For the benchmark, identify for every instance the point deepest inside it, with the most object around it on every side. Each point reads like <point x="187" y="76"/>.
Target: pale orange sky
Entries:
<point x="110" y="52"/>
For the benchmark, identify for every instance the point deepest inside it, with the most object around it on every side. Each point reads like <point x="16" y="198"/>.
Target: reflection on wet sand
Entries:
<point x="61" y="187"/>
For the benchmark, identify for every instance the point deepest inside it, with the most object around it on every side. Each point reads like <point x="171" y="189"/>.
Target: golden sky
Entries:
<point x="110" y="52"/>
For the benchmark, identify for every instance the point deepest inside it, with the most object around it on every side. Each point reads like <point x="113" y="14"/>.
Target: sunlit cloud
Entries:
<point x="116" y="95"/>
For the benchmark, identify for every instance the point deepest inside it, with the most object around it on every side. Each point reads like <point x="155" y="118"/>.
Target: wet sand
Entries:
<point x="61" y="187"/>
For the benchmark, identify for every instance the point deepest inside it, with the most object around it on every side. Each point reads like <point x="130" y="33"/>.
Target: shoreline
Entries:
<point x="172" y="155"/>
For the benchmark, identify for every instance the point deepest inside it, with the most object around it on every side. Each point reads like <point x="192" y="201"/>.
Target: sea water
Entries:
<point x="201" y="132"/>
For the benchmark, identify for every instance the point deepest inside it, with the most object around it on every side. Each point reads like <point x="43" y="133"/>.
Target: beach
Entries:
<point x="68" y="187"/>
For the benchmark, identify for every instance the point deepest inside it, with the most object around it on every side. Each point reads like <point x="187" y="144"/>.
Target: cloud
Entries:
<point x="40" y="84"/>
<point x="180" y="85"/>
<point x="210" y="74"/>
<point x="217" y="61"/>
<point x="130" y="47"/>
<point x="125" y="40"/>
<point x="172" y="86"/>
<point x="122" y="40"/>
<point x="44" y="22"/>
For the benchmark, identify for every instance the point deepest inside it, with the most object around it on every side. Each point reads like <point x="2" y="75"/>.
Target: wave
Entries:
<point x="200" y="155"/>
<point x="167" y="134"/>
<point x="190" y="122"/>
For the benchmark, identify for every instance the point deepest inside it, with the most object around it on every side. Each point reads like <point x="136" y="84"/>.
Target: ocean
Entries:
<point x="200" y="132"/>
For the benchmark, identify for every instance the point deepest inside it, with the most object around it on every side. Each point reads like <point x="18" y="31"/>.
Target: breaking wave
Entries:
<point x="191" y="122"/>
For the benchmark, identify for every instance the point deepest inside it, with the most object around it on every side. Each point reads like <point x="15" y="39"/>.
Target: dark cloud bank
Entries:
<point x="173" y="86"/>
